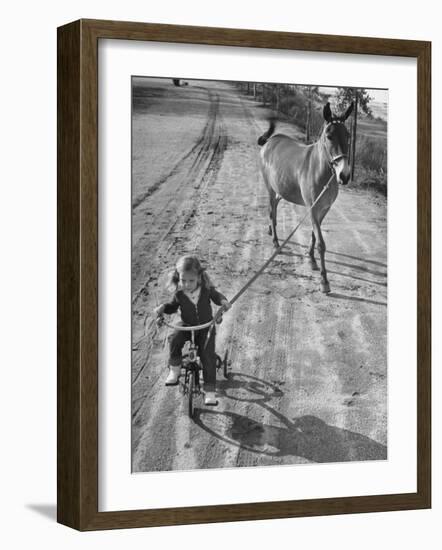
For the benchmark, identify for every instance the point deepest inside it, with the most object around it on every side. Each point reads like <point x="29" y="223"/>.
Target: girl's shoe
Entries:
<point x="173" y="376"/>
<point x="210" y="399"/>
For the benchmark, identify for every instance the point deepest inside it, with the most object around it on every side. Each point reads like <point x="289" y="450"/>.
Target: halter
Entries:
<point x="333" y="161"/>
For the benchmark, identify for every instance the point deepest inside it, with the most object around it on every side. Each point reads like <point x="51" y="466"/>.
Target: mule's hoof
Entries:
<point x="270" y="230"/>
<point x="314" y="265"/>
<point x="275" y="244"/>
<point x="325" y="287"/>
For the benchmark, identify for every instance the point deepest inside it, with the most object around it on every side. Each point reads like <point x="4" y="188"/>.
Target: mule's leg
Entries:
<point x="276" y="200"/>
<point x="325" y="286"/>
<point x="270" y="216"/>
<point x="311" y="253"/>
<point x="273" y="206"/>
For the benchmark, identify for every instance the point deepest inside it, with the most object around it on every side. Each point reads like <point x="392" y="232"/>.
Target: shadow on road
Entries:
<point x="307" y="436"/>
<point x="356" y="299"/>
<point x="351" y="276"/>
<point x="381" y="274"/>
<point x="374" y="262"/>
<point x="354" y="278"/>
<point x="248" y="388"/>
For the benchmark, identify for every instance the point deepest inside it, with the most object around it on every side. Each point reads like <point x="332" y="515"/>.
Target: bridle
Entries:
<point x="333" y="160"/>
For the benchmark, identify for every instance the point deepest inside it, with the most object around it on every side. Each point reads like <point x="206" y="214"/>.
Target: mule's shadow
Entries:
<point x="356" y="299"/>
<point x="380" y="281"/>
<point x="354" y="278"/>
<point x="341" y="254"/>
<point x="356" y="267"/>
<point x="306" y="436"/>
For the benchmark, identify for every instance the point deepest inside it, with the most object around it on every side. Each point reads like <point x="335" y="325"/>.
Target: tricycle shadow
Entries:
<point x="306" y="437"/>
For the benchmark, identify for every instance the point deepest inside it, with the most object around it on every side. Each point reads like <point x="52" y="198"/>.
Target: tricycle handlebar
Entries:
<point x="188" y="329"/>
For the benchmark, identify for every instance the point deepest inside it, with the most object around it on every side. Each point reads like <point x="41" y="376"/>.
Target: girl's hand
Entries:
<point x="225" y="306"/>
<point x="159" y="315"/>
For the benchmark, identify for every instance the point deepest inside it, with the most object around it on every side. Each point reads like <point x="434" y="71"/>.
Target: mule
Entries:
<point x="297" y="173"/>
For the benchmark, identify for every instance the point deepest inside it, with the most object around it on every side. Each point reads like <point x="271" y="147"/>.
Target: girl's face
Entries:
<point x="189" y="280"/>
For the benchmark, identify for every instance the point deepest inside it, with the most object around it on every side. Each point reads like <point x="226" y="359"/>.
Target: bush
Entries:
<point x="371" y="180"/>
<point x="371" y="154"/>
<point x="371" y="163"/>
<point x="294" y="104"/>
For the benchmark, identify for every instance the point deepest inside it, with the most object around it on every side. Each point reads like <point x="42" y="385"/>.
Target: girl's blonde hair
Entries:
<point x="188" y="263"/>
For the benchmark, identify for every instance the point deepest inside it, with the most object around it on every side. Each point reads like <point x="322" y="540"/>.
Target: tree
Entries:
<point x="312" y="93"/>
<point x="361" y="98"/>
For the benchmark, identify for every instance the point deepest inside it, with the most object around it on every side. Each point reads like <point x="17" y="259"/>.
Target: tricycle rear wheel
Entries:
<point x="225" y="364"/>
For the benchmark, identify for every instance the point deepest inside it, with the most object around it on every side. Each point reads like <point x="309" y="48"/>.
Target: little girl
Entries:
<point x="193" y="292"/>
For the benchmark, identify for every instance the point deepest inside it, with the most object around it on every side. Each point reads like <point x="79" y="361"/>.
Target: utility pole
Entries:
<point x="309" y="115"/>
<point x="353" y="139"/>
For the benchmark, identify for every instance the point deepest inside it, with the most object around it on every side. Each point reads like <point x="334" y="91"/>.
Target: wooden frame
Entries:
<point x="77" y="459"/>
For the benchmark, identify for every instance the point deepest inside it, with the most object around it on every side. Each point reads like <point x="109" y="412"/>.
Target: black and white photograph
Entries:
<point x="259" y="274"/>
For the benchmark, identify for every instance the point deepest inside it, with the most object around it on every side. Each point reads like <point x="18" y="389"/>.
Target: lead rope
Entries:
<point x="277" y="251"/>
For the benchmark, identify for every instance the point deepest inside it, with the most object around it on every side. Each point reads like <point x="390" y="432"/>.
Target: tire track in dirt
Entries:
<point x="262" y="423"/>
<point x="195" y="150"/>
<point x="192" y="176"/>
<point x="196" y="235"/>
<point x="232" y="422"/>
<point x="202" y="171"/>
<point x="206" y="160"/>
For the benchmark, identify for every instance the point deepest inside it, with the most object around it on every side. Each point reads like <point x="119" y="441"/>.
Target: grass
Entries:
<point x="371" y="156"/>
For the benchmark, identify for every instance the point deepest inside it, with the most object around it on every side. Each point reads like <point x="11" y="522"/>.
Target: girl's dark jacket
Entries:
<point x="192" y="314"/>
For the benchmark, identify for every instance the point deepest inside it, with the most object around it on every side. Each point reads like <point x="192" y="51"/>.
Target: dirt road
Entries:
<point x="308" y="371"/>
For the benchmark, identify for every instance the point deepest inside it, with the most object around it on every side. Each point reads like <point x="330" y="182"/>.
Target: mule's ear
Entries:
<point x="327" y="112"/>
<point x="348" y="111"/>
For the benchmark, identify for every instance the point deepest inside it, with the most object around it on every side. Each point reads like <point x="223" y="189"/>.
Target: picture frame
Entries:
<point x="78" y="281"/>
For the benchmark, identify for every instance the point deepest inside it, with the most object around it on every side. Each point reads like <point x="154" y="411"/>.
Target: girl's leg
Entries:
<point x="208" y="359"/>
<point x="176" y="342"/>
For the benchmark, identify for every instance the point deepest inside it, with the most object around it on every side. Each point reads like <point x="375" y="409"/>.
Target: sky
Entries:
<point x="375" y="94"/>
<point x="378" y="103"/>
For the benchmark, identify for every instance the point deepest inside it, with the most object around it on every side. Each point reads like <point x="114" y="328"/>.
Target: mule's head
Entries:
<point x="335" y="138"/>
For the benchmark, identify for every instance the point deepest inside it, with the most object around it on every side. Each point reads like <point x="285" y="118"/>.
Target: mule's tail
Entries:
<point x="262" y="140"/>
